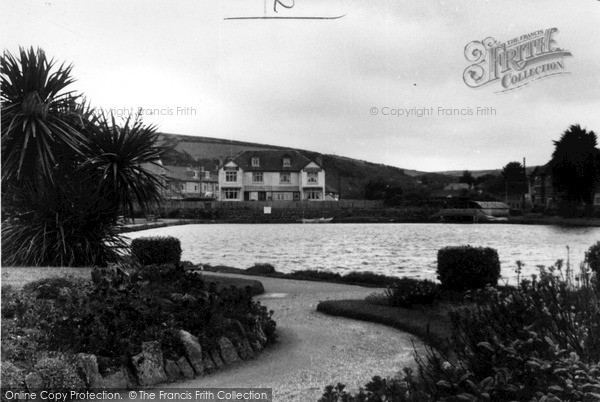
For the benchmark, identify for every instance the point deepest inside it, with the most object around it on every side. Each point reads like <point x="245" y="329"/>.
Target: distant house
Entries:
<point x="188" y="182"/>
<point x="542" y="191"/>
<point x="274" y="175"/>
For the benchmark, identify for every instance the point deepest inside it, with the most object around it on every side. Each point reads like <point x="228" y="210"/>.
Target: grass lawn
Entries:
<point x="430" y="323"/>
<point x="18" y="276"/>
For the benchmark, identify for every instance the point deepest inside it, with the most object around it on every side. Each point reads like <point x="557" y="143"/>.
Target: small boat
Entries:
<point x="317" y="220"/>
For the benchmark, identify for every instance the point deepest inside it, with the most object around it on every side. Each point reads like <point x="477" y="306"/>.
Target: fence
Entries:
<point x="173" y="205"/>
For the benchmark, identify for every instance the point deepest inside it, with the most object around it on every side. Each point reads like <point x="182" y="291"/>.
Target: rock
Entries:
<point x="87" y="365"/>
<point x="148" y="365"/>
<point x="248" y="347"/>
<point x="34" y="382"/>
<point x="117" y="380"/>
<point x="217" y="359"/>
<point x="188" y="298"/>
<point x="256" y="346"/>
<point x="186" y="370"/>
<point x="209" y="365"/>
<point x="234" y="326"/>
<point x="245" y="350"/>
<point x="193" y="350"/>
<point x="172" y="370"/>
<point x="261" y="335"/>
<point x="228" y="352"/>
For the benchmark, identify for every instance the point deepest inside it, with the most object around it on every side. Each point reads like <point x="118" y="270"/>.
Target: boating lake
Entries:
<point x="391" y="249"/>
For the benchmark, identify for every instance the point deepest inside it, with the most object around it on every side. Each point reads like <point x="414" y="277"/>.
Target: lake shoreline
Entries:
<point x="519" y="220"/>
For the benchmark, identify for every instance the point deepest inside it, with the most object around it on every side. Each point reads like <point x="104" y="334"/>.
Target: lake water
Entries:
<point x="390" y="249"/>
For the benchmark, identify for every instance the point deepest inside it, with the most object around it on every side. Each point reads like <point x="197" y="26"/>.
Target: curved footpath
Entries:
<point x="314" y="349"/>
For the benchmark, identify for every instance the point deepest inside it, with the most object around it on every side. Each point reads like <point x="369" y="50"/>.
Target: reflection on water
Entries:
<point x="391" y="249"/>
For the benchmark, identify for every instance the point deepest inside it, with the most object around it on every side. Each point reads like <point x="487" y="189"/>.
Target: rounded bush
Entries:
<point x="407" y="292"/>
<point x="58" y="373"/>
<point x="261" y="269"/>
<point x="156" y="250"/>
<point x="592" y="257"/>
<point x="466" y="267"/>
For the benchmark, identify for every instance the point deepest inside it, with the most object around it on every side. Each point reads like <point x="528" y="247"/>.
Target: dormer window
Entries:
<point x="287" y="162"/>
<point x="255" y="161"/>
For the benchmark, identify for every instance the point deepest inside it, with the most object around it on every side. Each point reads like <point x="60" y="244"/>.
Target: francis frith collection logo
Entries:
<point x="516" y="62"/>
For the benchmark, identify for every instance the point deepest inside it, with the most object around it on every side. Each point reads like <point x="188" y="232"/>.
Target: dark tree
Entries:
<point x="576" y="168"/>
<point x="468" y="178"/>
<point x="514" y="178"/>
<point x="376" y="189"/>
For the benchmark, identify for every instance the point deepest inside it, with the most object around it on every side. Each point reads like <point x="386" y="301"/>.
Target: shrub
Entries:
<point x="156" y="250"/>
<point x="367" y="278"/>
<point x="592" y="257"/>
<point x="537" y="343"/>
<point x="113" y="318"/>
<point x="407" y="292"/>
<point x="261" y="269"/>
<point x="51" y="288"/>
<point x="58" y="373"/>
<point x="12" y="378"/>
<point x="466" y="267"/>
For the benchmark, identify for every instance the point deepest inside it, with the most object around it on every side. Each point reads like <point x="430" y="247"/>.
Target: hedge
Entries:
<point x="156" y="250"/>
<point x="466" y="267"/>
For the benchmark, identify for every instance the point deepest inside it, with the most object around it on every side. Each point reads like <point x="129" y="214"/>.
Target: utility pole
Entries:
<point x="524" y="184"/>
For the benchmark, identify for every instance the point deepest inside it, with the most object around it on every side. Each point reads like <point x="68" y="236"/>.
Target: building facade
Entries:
<point x="275" y="175"/>
<point x="188" y="182"/>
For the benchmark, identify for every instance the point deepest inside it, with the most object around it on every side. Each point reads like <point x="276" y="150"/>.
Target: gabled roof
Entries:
<point x="271" y="161"/>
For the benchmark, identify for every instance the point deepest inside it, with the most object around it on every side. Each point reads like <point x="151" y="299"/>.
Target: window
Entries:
<point x="231" y="193"/>
<point x="312" y="178"/>
<point x="287" y="161"/>
<point x="195" y="187"/>
<point x="285" y="178"/>
<point x="283" y="196"/>
<point x="230" y="176"/>
<point x="257" y="177"/>
<point x="255" y="161"/>
<point x="207" y="174"/>
<point x="313" y="195"/>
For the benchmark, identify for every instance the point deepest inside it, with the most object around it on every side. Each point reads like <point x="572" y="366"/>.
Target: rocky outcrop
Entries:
<point x="34" y="381"/>
<point x="186" y="370"/>
<point x="87" y="366"/>
<point x="148" y="365"/>
<point x="228" y="352"/>
<point x="193" y="351"/>
<point x="172" y="370"/>
<point x="244" y="349"/>
<point x="216" y="358"/>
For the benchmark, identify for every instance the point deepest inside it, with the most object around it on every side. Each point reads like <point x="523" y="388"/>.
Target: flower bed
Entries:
<point x="152" y="324"/>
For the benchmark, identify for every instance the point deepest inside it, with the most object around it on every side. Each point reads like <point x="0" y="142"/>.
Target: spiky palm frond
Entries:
<point x="119" y="156"/>
<point x="39" y="116"/>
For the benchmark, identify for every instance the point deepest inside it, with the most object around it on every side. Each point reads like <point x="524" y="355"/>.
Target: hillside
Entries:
<point x="479" y="173"/>
<point x="346" y="174"/>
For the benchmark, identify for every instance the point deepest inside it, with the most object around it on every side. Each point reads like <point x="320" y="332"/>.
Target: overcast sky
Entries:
<point x="312" y="84"/>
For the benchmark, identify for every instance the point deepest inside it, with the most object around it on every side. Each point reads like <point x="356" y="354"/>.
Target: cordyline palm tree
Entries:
<point x="66" y="172"/>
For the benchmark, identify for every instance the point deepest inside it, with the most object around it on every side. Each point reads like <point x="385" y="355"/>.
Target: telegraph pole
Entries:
<point x="524" y="184"/>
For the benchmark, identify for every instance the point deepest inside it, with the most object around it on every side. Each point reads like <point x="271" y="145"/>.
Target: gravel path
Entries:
<point x="315" y="349"/>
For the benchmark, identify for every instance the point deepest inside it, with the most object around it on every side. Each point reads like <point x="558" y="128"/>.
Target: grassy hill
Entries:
<point x="478" y="173"/>
<point x="346" y="174"/>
